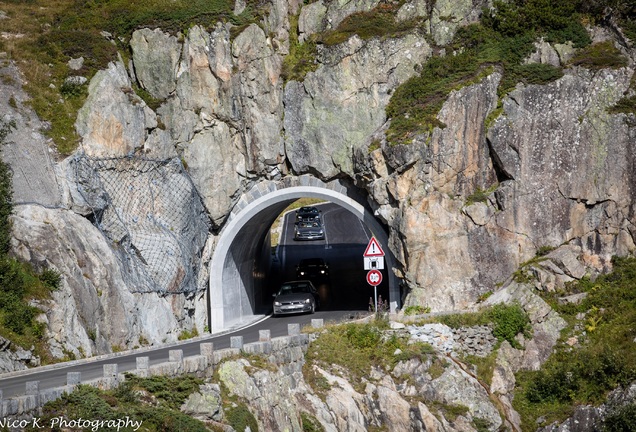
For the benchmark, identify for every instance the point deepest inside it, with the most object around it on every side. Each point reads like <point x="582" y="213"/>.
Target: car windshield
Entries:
<point x="311" y="262"/>
<point x="309" y="224"/>
<point x="294" y="289"/>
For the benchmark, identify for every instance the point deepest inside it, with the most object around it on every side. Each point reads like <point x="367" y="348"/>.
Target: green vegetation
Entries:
<point x="503" y="39"/>
<point x="623" y="419"/>
<point x="19" y="283"/>
<point x="507" y="320"/>
<point x="604" y="358"/>
<point x="524" y="274"/>
<point x="54" y="31"/>
<point x="240" y="418"/>
<point x="310" y="423"/>
<point x="378" y="22"/>
<point x="302" y="56"/>
<point x="188" y="334"/>
<point x="154" y="401"/>
<point x="626" y="105"/>
<point x="416" y="310"/>
<point x="356" y="348"/>
<point x="480" y="195"/>
<point x="599" y="56"/>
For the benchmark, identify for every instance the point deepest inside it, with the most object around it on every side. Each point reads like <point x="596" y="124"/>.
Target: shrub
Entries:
<point x="416" y="310"/>
<point x="626" y="105"/>
<point x="172" y="391"/>
<point x="605" y="358"/>
<point x="363" y="336"/>
<point x="51" y="278"/>
<point x="508" y="322"/>
<point x="310" y="423"/>
<point x="598" y="56"/>
<point x="240" y="418"/>
<point x="623" y="419"/>
<point x="378" y="22"/>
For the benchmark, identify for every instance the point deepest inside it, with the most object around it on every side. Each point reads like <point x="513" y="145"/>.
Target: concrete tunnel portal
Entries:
<point x="242" y="255"/>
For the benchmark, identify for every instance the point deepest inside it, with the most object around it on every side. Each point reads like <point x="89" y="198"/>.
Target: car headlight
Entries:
<point x="322" y="271"/>
<point x="307" y="301"/>
<point x="302" y="273"/>
<point x="276" y="303"/>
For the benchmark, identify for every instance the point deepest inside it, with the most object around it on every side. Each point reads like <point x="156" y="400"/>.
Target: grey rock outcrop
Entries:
<point x="27" y="149"/>
<point x="546" y="193"/>
<point x="356" y="73"/>
<point x="92" y="312"/>
<point x="391" y="399"/>
<point x="14" y="358"/>
<point x="590" y="418"/>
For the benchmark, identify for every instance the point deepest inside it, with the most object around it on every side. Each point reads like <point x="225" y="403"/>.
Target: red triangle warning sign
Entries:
<point x="373" y="249"/>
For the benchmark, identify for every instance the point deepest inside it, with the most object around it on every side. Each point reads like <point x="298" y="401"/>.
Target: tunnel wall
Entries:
<point x="232" y="287"/>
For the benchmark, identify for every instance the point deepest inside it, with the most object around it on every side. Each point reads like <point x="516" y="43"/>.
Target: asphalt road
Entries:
<point x="343" y="248"/>
<point x="345" y="295"/>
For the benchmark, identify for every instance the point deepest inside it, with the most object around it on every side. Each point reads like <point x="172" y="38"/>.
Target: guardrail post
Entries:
<point x="32" y="387"/>
<point x="236" y="342"/>
<point x="293" y="329"/>
<point x="73" y="379"/>
<point x="175" y="356"/>
<point x="33" y="395"/>
<point x="264" y="335"/>
<point x="110" y="375"/>
<point x="141" y="366"/>
<point x="317" y="322"/>
<point x="206" y="349"/>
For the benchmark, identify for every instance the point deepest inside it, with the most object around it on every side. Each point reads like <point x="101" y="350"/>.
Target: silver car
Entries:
<point x="296" y="297"/>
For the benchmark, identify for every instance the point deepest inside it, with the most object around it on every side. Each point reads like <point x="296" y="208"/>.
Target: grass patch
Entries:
<point x="188" y="334"/>
<point x="54" y="31"/>
<point x="379" y="22"/>
<point x="416" y="310"/>
<point x="485" y="365"/>
<point x="240" y="418"/>
<point x="503" y="39"/>
<point x="605" y="359"/>
<point x="480" y="195"/>
<point x="355" y="348"/>
<point x="154" y="401"/>
<point x="599" y="56"/>
<point x="302" y="56"/>
<point x="310" y="423"/>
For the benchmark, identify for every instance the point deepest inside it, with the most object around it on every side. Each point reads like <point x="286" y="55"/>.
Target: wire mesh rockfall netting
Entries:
<point x="153" y="215"/>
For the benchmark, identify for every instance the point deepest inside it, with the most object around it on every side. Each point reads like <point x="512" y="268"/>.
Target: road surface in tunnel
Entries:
<point x="346" y="238"/>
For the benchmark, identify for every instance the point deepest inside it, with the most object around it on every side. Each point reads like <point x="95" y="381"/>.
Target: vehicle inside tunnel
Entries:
<point x="270" y="241"/>
<point x="332" y="260"/>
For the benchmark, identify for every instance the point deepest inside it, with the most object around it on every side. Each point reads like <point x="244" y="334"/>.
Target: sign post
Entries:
<point x="374" y="262"/>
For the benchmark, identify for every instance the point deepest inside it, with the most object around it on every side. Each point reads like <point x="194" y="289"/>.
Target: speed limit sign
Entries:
<point x="374" y="277"/>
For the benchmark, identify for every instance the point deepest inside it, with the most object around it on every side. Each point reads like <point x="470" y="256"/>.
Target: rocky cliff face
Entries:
<point x="557" y="168"/>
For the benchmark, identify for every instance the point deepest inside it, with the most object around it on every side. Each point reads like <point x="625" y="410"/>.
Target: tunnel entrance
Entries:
<point x="242" y="258"/>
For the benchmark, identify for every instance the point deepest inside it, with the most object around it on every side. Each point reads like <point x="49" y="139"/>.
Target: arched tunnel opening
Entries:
<point x="245" y="271"/>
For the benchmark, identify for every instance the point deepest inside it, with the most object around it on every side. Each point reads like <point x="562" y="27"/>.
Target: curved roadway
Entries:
<point x="345" y="295"/>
